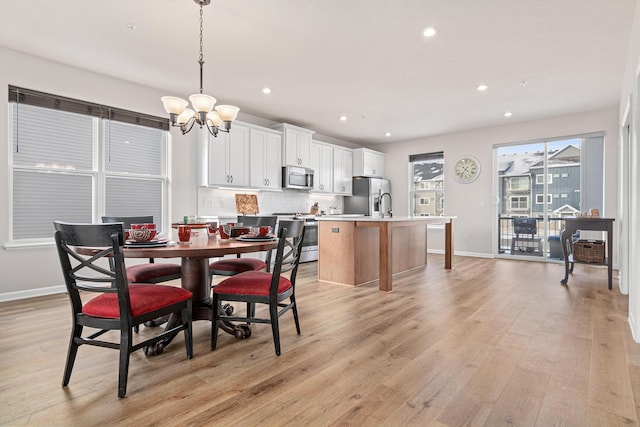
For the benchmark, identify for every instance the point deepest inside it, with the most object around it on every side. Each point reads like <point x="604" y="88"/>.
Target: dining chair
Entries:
<point x="151" y="272"/>
<point x="118" y="305"/>
<point x="233" y="266"/>
<point x="261" y="287"/>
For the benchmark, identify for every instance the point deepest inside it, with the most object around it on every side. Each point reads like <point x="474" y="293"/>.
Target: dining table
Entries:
<point x="195" y="255"/>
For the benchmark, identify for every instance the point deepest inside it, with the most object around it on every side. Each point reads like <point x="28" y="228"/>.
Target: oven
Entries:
<point x="310" y="240"/>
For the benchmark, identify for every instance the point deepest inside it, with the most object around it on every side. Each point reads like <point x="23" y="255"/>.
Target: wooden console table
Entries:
<point x="588" y="224"/>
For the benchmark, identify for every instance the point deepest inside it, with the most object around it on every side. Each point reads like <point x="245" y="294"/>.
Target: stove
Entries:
<point x="310" y="241"/>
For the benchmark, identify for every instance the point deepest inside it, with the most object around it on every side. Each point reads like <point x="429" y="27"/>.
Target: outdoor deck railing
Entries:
<point x="506" y="233"/>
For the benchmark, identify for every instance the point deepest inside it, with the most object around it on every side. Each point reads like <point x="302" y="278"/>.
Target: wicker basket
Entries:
<point x="589" y="251"/>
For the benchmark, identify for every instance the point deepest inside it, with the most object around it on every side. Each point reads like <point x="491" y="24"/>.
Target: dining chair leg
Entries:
<point x="294" y="308"/>
<point x="123" y="371"/>
<point x="273" y="312"/>
<point x="71" y="354"/>
<point x="215" y="304"/>
<point x="251" y="311"/>
<point x="188" y="333"/>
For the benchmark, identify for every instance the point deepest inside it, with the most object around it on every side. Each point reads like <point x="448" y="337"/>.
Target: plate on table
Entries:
<point x="148" y="244"/>
<point x="254" y="238"/>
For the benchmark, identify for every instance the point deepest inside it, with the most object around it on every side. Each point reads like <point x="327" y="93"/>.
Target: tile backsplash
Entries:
<point x="222" y="203"/>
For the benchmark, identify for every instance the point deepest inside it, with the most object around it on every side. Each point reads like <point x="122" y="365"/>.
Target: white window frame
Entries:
<point x="540" y="179"/>
<point x="520" y="198"/>
<point x="540" y="199"/>
<point x="518" y="179"/>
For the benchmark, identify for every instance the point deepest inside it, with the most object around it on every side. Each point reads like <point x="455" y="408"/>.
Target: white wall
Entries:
<point x="473" y="203"/>
<point x="630" y="90"/>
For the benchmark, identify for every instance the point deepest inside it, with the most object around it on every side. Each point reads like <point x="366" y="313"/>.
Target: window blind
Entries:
<point x="41" y="198"/>
<point x="25" y="96"/>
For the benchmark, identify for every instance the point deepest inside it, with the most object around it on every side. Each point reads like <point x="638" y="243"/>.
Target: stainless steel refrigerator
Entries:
<point x="366" y="197"/>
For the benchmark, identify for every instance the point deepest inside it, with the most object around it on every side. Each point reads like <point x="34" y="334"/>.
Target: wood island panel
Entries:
<point x="350" y="251"/>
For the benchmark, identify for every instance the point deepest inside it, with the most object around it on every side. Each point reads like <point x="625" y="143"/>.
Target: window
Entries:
<point x="540" y="198"/>
<point x="427" y="184"/>
<point x="75" y="161"/>
<point x="564" y="175"/>
<point x="519" y="183"/>
<point x="540" y="179"/>
<point x="519" y="203"/>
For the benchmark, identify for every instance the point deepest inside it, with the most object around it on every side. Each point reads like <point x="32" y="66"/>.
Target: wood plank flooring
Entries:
<point x="491" y="342"/>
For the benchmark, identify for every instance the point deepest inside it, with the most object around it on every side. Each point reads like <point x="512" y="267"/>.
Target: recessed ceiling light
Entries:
<point x="429" y="32"/>
<point x="266" y="90"/>
<point x="508" y="114"/>
<point x="523" y="82"/>
<point x="388" y="134"/>
<point x="132" y="27"/>
<point x="343" y="118"/>
<point x="482" y="88"/>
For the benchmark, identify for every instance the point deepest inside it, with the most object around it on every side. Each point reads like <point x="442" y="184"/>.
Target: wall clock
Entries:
<point x="466" y="169"/>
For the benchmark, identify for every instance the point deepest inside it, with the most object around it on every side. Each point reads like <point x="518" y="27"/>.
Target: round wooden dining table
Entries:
<point x="195" y="267"/>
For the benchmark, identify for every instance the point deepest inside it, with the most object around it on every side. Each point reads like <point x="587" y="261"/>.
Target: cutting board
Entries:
<point x="247" y="204"/>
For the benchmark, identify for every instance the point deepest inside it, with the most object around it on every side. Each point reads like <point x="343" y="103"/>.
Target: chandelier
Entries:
<point x="203" y="105"/>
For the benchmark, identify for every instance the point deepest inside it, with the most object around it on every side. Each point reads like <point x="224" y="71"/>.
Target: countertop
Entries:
<point x="352" y="218"/>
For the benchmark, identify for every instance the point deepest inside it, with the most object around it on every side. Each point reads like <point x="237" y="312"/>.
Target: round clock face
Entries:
<point x="466" y="169"/>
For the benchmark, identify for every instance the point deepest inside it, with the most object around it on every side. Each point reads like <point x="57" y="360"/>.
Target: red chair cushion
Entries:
<point x="144" y="298"/>
<point x="250" y="283"/>
<point x="146" y="272"/>
<point x="238" y="265"/>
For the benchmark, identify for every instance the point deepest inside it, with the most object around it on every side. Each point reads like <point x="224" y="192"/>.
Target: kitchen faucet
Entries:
<point x="389" y="211"/>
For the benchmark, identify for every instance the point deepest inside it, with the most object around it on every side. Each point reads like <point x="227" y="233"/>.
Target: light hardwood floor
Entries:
<point x="492" y="342"/>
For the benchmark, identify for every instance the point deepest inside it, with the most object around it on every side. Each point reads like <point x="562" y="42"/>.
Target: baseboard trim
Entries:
<point x="459" y="253"/>
<point x="632" y="326"/>
<point x="30" y="293"/>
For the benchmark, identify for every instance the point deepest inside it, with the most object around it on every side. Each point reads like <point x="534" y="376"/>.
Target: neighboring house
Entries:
<point x="522" y="183"/>
<point x="428" y="186"/>
<point x="563" y="183"/>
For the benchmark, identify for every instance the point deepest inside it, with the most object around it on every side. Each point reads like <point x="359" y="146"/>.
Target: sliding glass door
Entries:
<point x="538" y="185"/>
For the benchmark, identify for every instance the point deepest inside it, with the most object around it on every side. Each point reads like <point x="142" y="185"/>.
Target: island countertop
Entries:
<point x="351" y="218"/>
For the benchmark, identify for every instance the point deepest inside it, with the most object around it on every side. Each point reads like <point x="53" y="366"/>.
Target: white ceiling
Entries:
<point x="366" y="59"/>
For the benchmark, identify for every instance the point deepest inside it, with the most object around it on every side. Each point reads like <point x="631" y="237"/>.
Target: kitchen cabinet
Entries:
<point x="296" y="145"/>
<point x="266" y="149"/>
<point x="368" y="163"/>
<point x="342" y="171"/>
<point x="229" y="157"/>
<point x="322" y="164"/>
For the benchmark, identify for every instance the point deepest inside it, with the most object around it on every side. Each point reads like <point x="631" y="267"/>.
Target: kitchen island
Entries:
<point x="360" y="250"/>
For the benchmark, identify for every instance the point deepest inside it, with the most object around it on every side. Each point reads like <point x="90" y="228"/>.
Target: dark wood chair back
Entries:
<point x="290" y="235"/>
<point x="258" y="221"/>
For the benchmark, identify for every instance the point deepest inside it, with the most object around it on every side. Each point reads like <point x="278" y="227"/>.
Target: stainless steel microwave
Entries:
<point x="297" y="177"/>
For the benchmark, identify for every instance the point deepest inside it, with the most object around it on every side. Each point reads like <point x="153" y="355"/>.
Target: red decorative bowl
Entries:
<point x="141" y="234"/>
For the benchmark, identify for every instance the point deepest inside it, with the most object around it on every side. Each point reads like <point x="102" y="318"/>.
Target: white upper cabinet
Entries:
<point x="228" y="155"/>
<point x="296" y="145"/>
<point x="266" y="149"/>
<point x="342" y="171"/>
<point x="322" y="164"/>
<point x="368" y="163"/>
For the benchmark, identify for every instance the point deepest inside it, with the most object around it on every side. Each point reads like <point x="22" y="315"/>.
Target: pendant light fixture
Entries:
<point x="202" y="112"/>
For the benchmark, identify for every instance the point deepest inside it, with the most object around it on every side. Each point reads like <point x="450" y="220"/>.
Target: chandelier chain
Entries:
<point x="201" y="29"/>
